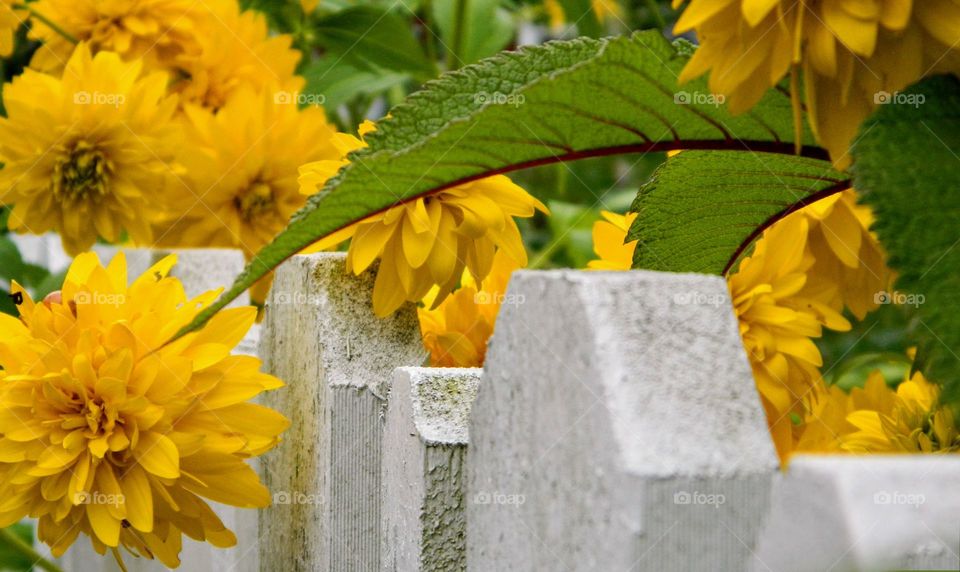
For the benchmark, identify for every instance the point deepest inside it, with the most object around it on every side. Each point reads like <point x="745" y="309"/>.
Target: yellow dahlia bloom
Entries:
<point x="851" y="52"/>
<point x="908" y="421"/>
<point x="850" y="266"/>
<point x="430" y="240"/>
<point x="158" y="31"/>
<point x="106" y="431"/>
<point x="241" y="188"/>
<point x="777" y="323"/>
<point x="237" y="50"/>
<point x="457" y="330"/>
<point x="88" y="154"/>
<point x="608" y="242"/>
<point x="879" y="419"/>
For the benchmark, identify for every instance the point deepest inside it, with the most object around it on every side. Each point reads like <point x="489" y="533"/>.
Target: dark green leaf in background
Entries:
<point x="374" y="39"/>
<point x="907" y="167"/>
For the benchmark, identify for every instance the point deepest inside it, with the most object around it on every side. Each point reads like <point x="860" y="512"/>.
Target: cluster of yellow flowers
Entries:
<point x="158" y="121"/>
<point x="802" y="274"/>
<point x="853" y="54"/>
<point x="107" y="430"/>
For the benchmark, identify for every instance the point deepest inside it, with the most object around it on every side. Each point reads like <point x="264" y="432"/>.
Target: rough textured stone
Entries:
<point x="617" y="428"/>
<point x="321" y="337"/>
<point x="871" y="513"/>
<point x="424" y="452"/>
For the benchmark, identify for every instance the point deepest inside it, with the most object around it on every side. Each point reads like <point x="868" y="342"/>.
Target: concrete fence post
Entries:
<point x="424" y="456"/>
<point x="337" y="358"/>
<point x="864" y="513"/>
<point x="617" y="428"/>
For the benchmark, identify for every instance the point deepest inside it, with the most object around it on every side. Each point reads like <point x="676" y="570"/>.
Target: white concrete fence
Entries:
<point x="615" y="427"/>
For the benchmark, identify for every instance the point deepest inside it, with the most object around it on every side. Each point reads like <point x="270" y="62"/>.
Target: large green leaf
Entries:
<point x="545" y="104"/>
<point x="701" y="209"/>
<point x="907" y="167"/>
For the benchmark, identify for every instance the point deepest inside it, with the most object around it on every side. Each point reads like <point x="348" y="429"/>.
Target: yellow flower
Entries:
<point x="241" y="188"/>
<point x="878" y="419"/>
<point x="237" y="51"/>
<point x="608" y="242"/>
<point x="456" y="331"/>
<point x="90" y="154"/>
<point x="908" y="421"/>
<point x="850" y="268"/>
<point x="105" y="430"/>
<point x="430" y="240"/>
<point x="158" y="31"/>
<point x="777" y="323"/>
<point x="308" y="6"/>
<point x="851" y="52"/>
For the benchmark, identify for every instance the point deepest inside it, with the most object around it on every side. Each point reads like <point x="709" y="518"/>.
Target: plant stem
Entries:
<point x="47" y="22"/>
<point x="22" y="547"/>
<point x="428" y="37"/>
<point x="459" y="34"/>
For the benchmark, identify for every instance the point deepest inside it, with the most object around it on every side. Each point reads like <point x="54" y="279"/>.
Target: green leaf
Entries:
<point x="702" y="209"/>
<point x="545" y="104"/>
<point x="374" y="38"/>
<point x="339" y="82"/>
<point x="906" y="166"/>
<point x="488" y="28"/>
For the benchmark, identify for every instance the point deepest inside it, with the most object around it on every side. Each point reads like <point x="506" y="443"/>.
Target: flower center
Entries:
<point x="81" y="174"/>
<point x="257" y="201"/>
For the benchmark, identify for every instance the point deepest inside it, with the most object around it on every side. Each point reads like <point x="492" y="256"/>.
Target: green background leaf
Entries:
<point x="907" y="167"/>
<point x="374" y="38"/>
<point x="702" y="208"/>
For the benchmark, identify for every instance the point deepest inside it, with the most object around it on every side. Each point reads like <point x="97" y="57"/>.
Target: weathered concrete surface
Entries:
<point x="617" y="428"/>
<point x="865" y="513"/>
<point x="321" y="337"/>
<point x="424" y="452"/>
